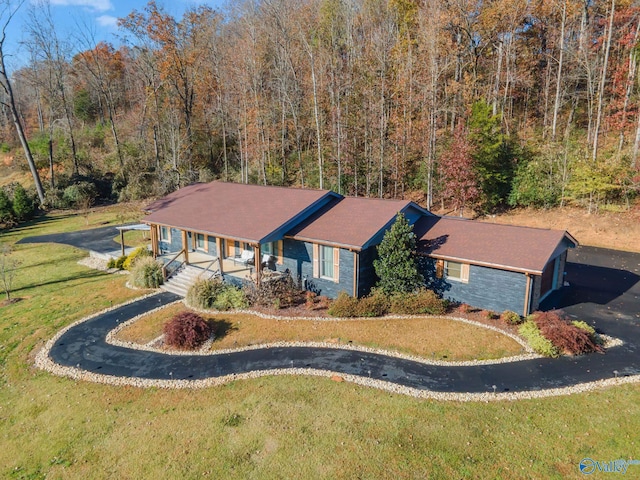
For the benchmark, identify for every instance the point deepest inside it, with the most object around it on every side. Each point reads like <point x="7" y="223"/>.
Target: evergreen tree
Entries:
<point x="396" y="264"/>
<point x="493" y="156"/>
<point x="22" y="204"/>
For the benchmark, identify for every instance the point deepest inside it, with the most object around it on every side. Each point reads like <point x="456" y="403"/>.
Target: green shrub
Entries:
<point x="421" y="302"/>
<point x="344" y="306"/>
<point x="119" y="262"/>
<point x="375" y="304"/>
<point x="230" y="298"/>
<point x="203" y="293"/>
<point x="6" y="208"/>
<point x="211" y="294"/>
<point x="147" y="273"/>
<point x="111" y="263"/>
<point x="54" y="198"/>
<point x="23" y="206"/>
<point x="511" y="318"/>
<point x="584" y="326"/>
<point x="186" y="330"/>
<point x="530" y="331"/>
<point x="134" y="255"/>
<point x="80" y="195"/>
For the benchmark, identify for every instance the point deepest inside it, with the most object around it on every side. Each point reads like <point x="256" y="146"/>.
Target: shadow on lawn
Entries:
<point x="93" y="276"/>
<point x="221" y="328"/>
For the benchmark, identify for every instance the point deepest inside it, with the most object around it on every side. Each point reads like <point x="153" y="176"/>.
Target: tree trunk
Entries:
<point x="556" y="103"/>
<point x="631" y="80"/>
<point x="603" y="80"/>
<point x="316" y="115"/>
<point x="6" y="85"/>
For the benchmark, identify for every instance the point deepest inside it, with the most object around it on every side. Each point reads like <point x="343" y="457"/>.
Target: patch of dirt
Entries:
<point x="11" y="301"/>
<point x="616" y="230"/>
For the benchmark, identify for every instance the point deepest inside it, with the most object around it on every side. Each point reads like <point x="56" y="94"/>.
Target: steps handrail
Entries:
<point x="165" y="267"/>
<point x="209" y="265"/>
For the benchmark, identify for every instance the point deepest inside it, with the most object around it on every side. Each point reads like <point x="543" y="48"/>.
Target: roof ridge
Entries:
<point x="479" y="222"/>
<point x="281" y="187"/>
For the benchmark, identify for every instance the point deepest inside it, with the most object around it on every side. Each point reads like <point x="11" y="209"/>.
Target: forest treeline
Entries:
<point x="458" y="103"/>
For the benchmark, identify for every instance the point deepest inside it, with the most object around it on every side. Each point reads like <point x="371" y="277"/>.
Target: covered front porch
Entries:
<point x="229" y="269"/>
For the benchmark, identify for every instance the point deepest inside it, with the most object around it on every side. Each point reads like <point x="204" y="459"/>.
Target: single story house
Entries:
<point x="329" y="242"/>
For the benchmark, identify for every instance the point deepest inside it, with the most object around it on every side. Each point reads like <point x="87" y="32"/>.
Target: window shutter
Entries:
<point x="336" y="265"/>
<point x="439" y="268"/>
<point x="316" y="261"/>
<point x="280" y="253"/>
<point x="464" y="272"/>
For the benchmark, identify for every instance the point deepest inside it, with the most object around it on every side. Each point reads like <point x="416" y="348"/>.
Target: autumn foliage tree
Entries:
<point x="458" y="177"/>
<point x="359" y="96"/>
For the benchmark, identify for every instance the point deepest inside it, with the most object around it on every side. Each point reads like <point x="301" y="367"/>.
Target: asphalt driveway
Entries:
<point x="605" y="291"/>
<point x="96" y="239"/>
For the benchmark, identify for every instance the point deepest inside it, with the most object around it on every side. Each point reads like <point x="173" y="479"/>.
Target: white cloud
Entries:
<point x="97" y="5"/>
<point x="107" y="21"/>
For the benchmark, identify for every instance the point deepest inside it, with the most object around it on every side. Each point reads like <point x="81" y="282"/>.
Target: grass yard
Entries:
<point x="428" y="337"/>
<point x="266" y="428"/>
<point x="134" y="238"/>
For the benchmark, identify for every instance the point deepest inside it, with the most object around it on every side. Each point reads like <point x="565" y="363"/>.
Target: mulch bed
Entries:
<point x="301" y="310"/>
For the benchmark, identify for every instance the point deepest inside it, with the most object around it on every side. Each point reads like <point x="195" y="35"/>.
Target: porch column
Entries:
<point x="355" y="274"/>
<point x="154" y="240"/>
<point x="258" y="262"/>
<point x="220" y="253"/>
<point x="122" y="241"/>
<point x="185" y="246"/>
<point x="527" y="295"/>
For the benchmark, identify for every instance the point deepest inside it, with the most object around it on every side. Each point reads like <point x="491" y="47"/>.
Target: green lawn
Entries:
<point x="428" y="337"/>
<point x="272" y="427"/>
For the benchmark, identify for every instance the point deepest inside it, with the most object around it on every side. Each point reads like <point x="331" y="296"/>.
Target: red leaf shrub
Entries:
<point x="564" y="335"/>
<point x="186" y="330"/>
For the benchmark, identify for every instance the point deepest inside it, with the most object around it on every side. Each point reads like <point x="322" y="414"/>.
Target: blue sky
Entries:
<point x="100" y="15"/>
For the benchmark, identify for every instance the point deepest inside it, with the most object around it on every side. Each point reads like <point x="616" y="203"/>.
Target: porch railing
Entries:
<point x="168" y="270"/>
<point x="208" y="268"/>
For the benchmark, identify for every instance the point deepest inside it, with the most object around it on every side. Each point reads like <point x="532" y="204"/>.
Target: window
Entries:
<point x="456" y="271"/>
<point x="326" y="262"/>
<point x="201" y="241"/>
<point x="165" y="234"/>
<point x="273" y="249"/>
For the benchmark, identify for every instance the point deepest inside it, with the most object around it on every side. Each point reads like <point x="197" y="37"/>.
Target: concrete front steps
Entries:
<point x="180" y="281"/>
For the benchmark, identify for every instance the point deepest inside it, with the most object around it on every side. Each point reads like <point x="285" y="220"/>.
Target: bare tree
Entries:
<point x="53" y="51"/>
<point x="8" y="267"/>
<point x="7" y="12"/>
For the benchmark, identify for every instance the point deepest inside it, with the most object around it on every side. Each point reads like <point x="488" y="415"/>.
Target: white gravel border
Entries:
<point x="43" y="361"/>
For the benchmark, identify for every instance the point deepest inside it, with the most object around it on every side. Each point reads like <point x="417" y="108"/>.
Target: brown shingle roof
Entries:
<point x="245" y="212"/>
<point x="350" y="222"/>
<point x="502" y="246"/>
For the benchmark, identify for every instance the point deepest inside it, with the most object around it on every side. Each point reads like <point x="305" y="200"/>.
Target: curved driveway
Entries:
<point x="605" y="291"/>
